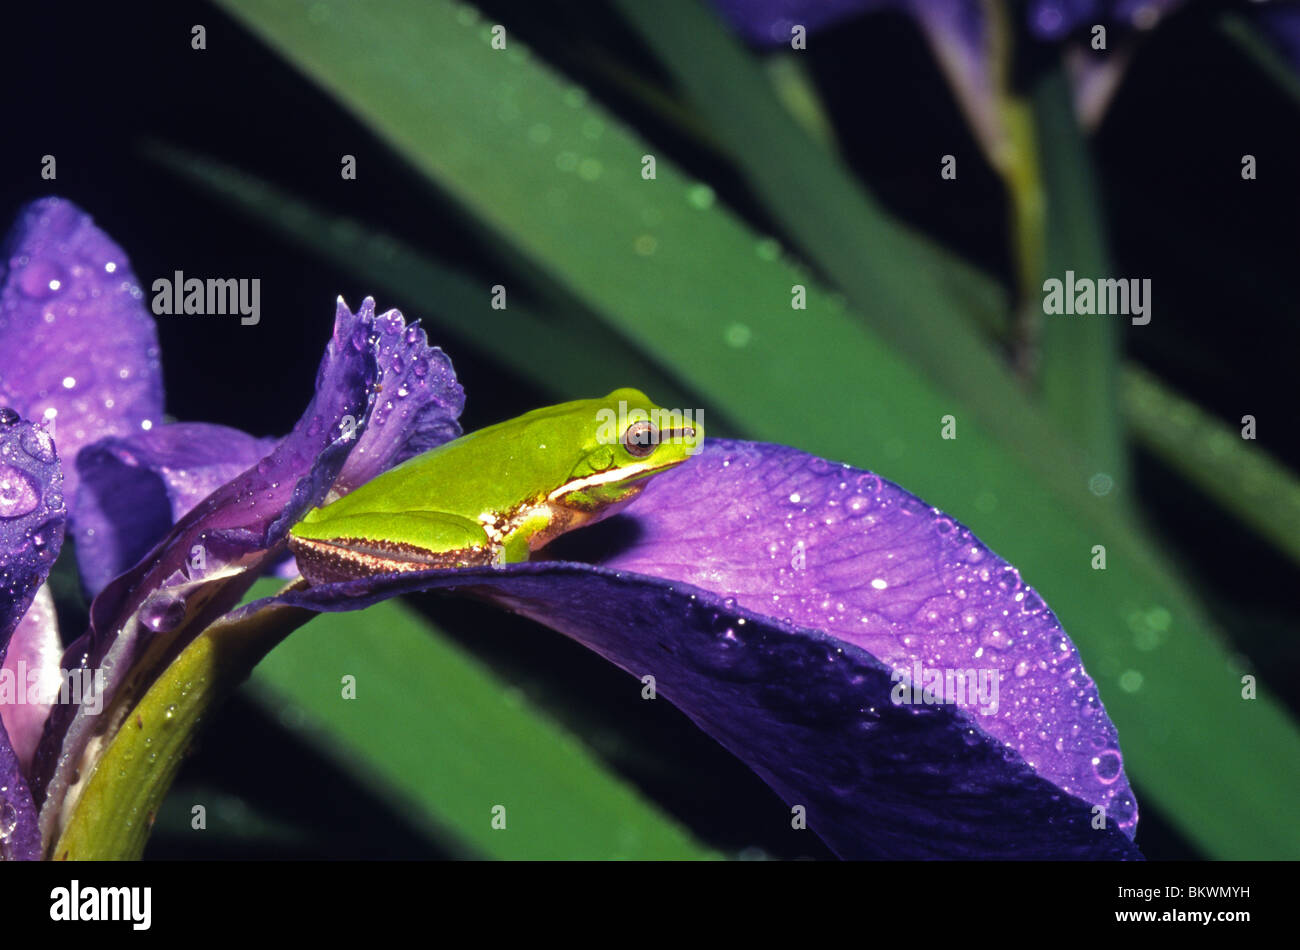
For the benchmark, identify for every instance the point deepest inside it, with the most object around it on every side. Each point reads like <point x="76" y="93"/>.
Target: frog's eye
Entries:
<point x="640" y="439"/>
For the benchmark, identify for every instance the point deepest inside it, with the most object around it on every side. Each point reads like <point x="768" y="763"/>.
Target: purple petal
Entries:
<point x="79" y="347"/>
<point x="32" y="518"/>
<point x="781" y="601"/>
<point x="133" y="489"/>
<point x="20" y="837"/>
<point x="768" y="22"/>
<point x="886" y="572"/>
<point x="32" y="666"/>
<point x="418" y="404"/>
<point x="209" y="558"/>
<point x="238" y="530"/>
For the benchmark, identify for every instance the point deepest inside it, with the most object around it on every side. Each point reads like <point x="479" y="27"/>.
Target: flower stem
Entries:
<point x="111" y="818"/>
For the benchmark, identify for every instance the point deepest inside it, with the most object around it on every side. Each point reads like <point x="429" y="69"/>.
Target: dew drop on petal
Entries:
<point x="8" y="819"/>
<point x="19" y="494"/>
<point x="1107" y="766"/>
<point x="162" y="612"/>
<point x="40" y="279"/>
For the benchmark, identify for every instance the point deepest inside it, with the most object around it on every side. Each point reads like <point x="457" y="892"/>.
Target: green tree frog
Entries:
<point x="498" y="494"/>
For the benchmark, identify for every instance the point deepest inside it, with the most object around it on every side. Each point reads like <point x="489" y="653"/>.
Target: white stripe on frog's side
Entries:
<point x="617" y="474"/>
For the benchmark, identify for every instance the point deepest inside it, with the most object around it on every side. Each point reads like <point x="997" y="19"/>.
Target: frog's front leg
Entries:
<point x="522" y="534"/>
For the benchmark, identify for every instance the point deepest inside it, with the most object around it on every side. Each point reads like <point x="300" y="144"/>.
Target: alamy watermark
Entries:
<point x="935" y="686"/>
<point x="20" y="686"/>
<point x="212" y="297"/>
<point x="1084" y="295"/>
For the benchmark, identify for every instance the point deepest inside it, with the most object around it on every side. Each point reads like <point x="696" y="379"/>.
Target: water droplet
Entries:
<point x="163" y="612"/>
<point x="700" y="196"/>
<point x="8" y="819"/>
<point x="19" y="493"/>
<point x="737" y="335"/>
<point x="420" y="368"/>
<point x="868" y="484"/>
<point x="999" y="639"/>
<point x="1101" y="484"/>
<point x="1130" y="681"/>
<point x="40" y="279"/>
<point x="7" y="416"/>
<point x="170" y="711"/>
<point x="38" y="444"/>
<point x="1107" y="766"/>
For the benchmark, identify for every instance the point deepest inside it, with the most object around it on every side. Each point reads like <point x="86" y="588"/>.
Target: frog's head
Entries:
<point x="627" y="440"/>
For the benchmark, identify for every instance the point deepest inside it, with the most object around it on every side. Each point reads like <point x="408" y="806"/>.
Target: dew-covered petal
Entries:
<point x="209" y="558"/>
<point x="32" y="516"/>
<point x="784" y="603"/>
<point x="810" y="714"/>
<point x="206" y="561"/>
<point x="418" y="403"/>
<point x="31" y="665"/>
<point x="78" y="348"/>
<point x="841" y="550"/>
<point x="20" y="836"/>
<point x="132" y="489"/>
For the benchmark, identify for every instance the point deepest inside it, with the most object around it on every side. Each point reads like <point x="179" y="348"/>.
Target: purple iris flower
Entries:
<point x="866" y="655"/>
